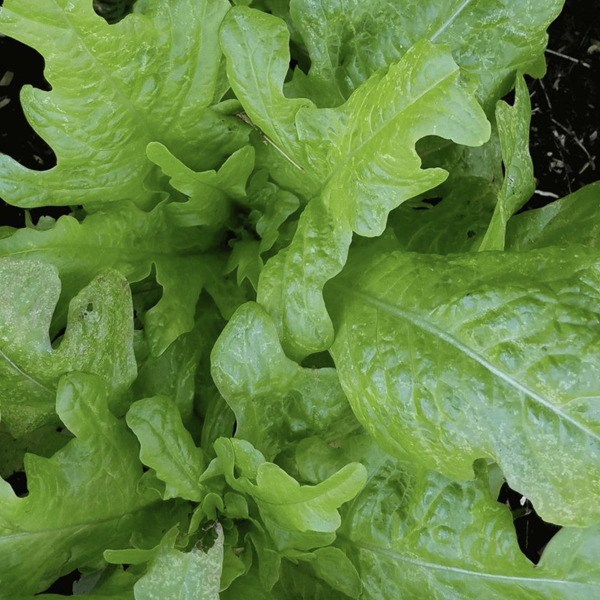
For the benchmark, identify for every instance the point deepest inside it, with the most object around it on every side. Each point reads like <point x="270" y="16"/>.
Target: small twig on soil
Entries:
<point x="575" y="60"/>
<point x="578" y="142"/>
<point x="545" y="93"/>
<point x="546" y="194"/>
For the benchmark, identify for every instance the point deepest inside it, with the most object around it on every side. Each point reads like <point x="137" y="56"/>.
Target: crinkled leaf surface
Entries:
<point x="432" y="351"/>
<point x="280" y="497"/>
<point x="98" y="339"/>
<point x="571" y="220"/>
<point x="82" y="500"/>
<point x="519" y="183"/>
<point x="364" y="153"/>
<point x="277" y="402"/>
<point x="115" y="88"/>
<point x="167" y="446"/>
<point x="175" y="575"/>
<point x="414" y="534"/>
<point x="350" y="40"/>
<point x="131" y="241"/>
<point x="257" y="49"/>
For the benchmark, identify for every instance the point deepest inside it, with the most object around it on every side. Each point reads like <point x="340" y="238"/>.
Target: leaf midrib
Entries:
<point x="450" y="20"/>
<point x="385" y="124"/>
<point x="397" y="556"/>
<point x="434" y="330"/>
<point x="26" y="375"/>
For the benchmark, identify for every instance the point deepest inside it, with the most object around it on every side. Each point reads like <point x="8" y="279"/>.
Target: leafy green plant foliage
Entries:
<point x="257" y="360"/>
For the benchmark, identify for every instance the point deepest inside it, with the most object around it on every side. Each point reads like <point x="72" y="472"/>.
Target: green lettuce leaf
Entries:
<point x="519" y="183"/>
<point x="349" y="41"/>
<point x="115" y="88"/>
<point x="277" y="403"/>
<point x="494" y="355"/>
<point x="176" y="575"/>
<point x="434" y="538"/>
<point x="98" y="339"/>
<point x="167" y="447"/>
<point x="210" y="193"/>
<point x="571" y="220"/>
<point x="131" y="241"/>
<point x="82" y="500"/>
<point x="367" y="168"/>
<point x="457" y="224"/>
<point x="279" y="497"/>
<point x="257" y="49"/>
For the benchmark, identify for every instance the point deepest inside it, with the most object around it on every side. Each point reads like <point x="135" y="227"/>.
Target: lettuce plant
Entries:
<point x="257" y="360"/>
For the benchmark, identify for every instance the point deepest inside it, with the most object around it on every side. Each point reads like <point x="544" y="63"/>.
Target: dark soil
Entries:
<point x="565" y="127"/>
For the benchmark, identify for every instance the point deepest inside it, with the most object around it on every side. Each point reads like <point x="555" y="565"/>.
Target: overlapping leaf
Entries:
<point x="82" y="500"/>
<point x="98" y="339"/>
<point x="494" y="355"/>
<point x="349" y="41"/>
<point x="434" y="538"/>
<point x="150" y="78"/>
<point x="277" y="403"/>
<point x="364" y="155"/>
<point x="131" y="241"/>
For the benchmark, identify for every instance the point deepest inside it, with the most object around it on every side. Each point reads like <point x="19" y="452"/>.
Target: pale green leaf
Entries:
<point x="415" y="534"/>
<point x="175" y="575"/>
<point x="256" y="47"/>
<point x="115" y="88"/>
<point x="281" y="498"/>
<point x="82" y="500"/>
<point x="167" y="447"/>
<point x="98" y="339"/>
<point x="463" y="342"/>
<point x="350" y="40"/>
<point x="277" y="403"/>
<point x="364" y="154"/>
<point x="131" y="241"/>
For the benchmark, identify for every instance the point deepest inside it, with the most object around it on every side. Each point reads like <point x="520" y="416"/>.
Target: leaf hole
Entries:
<point x="533" y="533"/>
<point x="18" y="482"/>
<point x="64" y="585"/>
<point x="90" y="307"/>
<point x="113" y="11"/>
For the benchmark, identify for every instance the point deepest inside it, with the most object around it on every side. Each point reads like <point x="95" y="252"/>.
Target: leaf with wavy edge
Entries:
<point x="210" y="193"/>
<point x="115" y="88"/>
<point x="434" y="538"/>
<point x="485" y="355"/>
<point x="131" y="241"/>
<point x="81" y="501"/>
<point x="349" y="40"/>
<point x="519" y="183"/>
<point x="98" y="339"/>
<point x="277" y="403"/>
<point x="167" y="447"/>
<point x="364" y="154"/>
